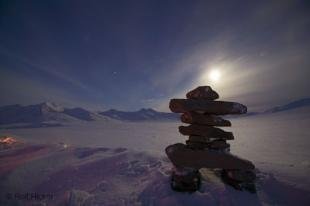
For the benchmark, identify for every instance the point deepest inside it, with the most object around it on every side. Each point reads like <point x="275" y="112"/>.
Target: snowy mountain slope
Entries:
<point x="83" y="114"/>
<point x="290" y="106"/>
<point x="141" y="115"/>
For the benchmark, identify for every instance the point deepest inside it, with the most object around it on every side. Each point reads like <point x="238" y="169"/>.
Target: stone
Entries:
<point x="206" y="106"/>
<point x="196" y="138"/>
<point x="196" y="145"/>
<point x="206" y="146"/>
<point x="204" y="119"/>
<point x="202" y="92"/>
<point x="185" y="180"/>
<point x="219" y="145"/>
<point x="207" y="131"/>
<point x="182" y="156"/>
<point x="241" y="175"/>
<point x="237" y="184"/>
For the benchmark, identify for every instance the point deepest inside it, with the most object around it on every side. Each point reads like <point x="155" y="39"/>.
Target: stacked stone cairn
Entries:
<point x="207" y="145"/>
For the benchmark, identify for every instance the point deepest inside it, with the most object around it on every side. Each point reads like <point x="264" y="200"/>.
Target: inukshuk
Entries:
<point x="207" y="145"/>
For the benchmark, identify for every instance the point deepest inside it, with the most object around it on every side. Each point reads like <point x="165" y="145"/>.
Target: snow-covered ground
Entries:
<point x="88" y="162"/>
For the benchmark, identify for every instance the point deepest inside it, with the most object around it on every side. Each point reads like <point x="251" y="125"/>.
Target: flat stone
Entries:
<point x="206" y="131"/>
<point x="219" y="144"/>
<point x="182" y="156"/>
<point x="206" y="106"/>
<point x="196" y="138"/>
<point x="202" y="92"/>
<point x="204" y="119"/>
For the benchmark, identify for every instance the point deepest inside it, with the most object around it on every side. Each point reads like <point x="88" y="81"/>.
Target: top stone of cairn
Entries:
<point x="202" y="92"/>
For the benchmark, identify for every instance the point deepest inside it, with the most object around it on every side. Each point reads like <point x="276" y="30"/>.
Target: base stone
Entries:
<point x="245" y="183"/>
<point x="185" y="180"/>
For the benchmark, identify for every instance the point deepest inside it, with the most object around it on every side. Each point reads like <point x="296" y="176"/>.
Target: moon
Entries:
<point x="214" y="75"/>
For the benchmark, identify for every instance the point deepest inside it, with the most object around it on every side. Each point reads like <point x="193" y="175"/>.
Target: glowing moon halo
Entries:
<point x="214" y="75"/>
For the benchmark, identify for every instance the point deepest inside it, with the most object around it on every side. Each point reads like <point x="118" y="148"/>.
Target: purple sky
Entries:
<point x="133" y="54"/>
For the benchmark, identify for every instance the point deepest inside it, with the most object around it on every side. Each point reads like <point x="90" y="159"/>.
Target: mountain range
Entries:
<point x="141" y="115"/>
<point x="53" y="113"/>
<point x="48" y="112"/>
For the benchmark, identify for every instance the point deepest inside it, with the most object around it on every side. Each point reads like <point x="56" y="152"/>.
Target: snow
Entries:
<point x="51" y="106"/>
<point x="124" y="163"/>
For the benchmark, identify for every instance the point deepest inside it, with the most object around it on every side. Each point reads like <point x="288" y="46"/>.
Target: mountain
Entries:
<point x="44" y="112"/>
<point x="290" y="106"/>
<point x="140" y="115"/>
<point x="82" y="114"/>
<point x="32" y="114"/>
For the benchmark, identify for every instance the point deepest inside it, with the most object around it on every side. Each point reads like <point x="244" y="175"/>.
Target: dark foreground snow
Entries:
<point x="61" y="175"/>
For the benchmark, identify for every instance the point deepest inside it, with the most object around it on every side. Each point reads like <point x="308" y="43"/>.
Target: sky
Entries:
<point x="137" y="54"/>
